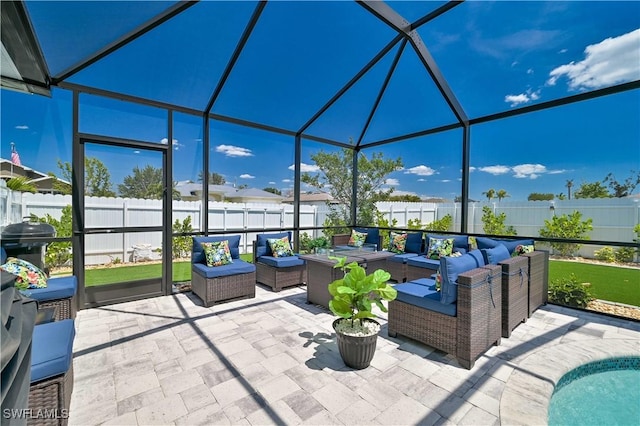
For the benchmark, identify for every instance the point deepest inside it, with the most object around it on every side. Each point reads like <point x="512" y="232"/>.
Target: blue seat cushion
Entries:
<point x="237" y="267"/>
<point x="403" y="257"/>
<point x="197" y="252"/>
<point x="57" y="288"/>
<point x="497" y="254"/>
<point x="424" y="296"/>
<point x="423" y="262"/>
<point x="281" y="262"/>
<point x="488" y="243"/>
<point x="52" y="349"/>
<point x="450" y="268"/>
<point x="263" y="248"/>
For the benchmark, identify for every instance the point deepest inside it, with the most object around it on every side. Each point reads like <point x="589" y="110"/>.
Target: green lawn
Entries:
<point x="101" y="276"/>
<point x="610" y="283"/>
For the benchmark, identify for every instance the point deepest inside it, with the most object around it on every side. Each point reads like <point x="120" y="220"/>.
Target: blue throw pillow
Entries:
<point x="497" y="254"/>
<point x="450" y="268"/>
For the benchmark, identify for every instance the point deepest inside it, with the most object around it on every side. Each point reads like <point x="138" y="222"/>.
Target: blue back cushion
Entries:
<point x="262" y="243"/>
<point x="497" y="254"/>
<point x="414" y="242"/>
<point x="488" y="243"/>
<point x="459" y="241"/>
<point x="3" y="256"/>
<point x="479" y="257"/>
<point x="450" y="268"/>
<point x="197" y="253"/>
<point x="373" y="235"/>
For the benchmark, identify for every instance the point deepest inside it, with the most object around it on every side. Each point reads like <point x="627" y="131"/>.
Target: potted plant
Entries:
<point x="319" y="245"/>
<point x="353" y="297"/>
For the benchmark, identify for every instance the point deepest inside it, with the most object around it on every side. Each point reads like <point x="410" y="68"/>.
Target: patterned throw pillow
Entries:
<point x="281" y="247"/>
<point x="473" y="243"/>
<point x="357" y="238"/>
<point x="522" y="249"/>
<point x="439" y="247"/>
<point x="397" y="242"/>
<point x="438" y="280"/>
<point x="29" y="276"/>
<point x="217" y="253"/>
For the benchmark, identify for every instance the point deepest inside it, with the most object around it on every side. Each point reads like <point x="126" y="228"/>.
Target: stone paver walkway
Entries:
<point x="273" y="360"/>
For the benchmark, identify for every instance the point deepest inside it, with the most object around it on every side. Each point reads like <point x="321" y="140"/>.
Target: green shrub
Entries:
<point x="58" y="253"/>
<point x="182" y="244"/>
<point x="383" y="222"/>
<point x="605" y="254"/>
<point x="624" y="254"/>
<point x="494" y="224"/>
<point x="570" y="292"/>
<point x="442" y="225"/>
<point x="567" y="226"/>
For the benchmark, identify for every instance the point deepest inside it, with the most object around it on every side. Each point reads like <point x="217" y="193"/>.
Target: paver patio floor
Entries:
<point x="273" y="360"/>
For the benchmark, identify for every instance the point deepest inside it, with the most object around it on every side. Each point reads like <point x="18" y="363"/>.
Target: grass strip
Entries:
<point x="611" y="283"/>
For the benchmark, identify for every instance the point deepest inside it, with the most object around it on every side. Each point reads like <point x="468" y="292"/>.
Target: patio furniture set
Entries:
<point x="485" y="289"/>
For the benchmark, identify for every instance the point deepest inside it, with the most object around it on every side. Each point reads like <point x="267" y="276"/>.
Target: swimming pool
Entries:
<point x="597" y="393"/>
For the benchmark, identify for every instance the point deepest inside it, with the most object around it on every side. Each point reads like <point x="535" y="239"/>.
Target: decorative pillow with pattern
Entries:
<point x="439" y="247"/>
<point x="217" y="253"/>
<point x="522" y="249"/>
<point x="29" y="276"/>
<point x="473" y="243"/>
<point x="397" y="242"/>
<point x="438" y="280"/>
<point x="357" y="238"/>
<point x="281" y="247"/>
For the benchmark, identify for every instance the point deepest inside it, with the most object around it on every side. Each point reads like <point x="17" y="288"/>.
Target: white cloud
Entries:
<point x="530" y="71"/>
<point x="392" y="182"/>
<point x="522" y="98"/>
<point x="495" y="170"/>
<point x="272" y="183"/>
<point x="234" y="151"/>
<point x="445" y="180"/>
<point x="246" y="176"/>
<point x="22" y="127"/>
<point x="472" y="169"/>
<point x="176" y="145"/>
<point x="557" y="172"/>
<point x="422" y="180"/>
<point x="287" y="180"/>
<point x="612" y="61"/>
<point x="401" y="193"/>
<point x="136" y="152"/>
<point x="563" y="51"/>
<point x="421" y="170"/>
<point x="308" y="168"/>
<point x="531" y="171"/>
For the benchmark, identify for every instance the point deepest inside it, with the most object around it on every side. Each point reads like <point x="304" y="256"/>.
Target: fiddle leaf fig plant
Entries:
<point x="355" y="294"/>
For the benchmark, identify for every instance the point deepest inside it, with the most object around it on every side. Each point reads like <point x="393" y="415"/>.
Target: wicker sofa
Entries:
<point x="397" y="265"/>
<point x="277" y="272"/>
<point x="221" y="283"/>
<point x="464" y="318"/>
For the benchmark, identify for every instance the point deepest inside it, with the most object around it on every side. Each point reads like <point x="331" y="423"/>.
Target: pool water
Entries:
<point x="599" y="393"/>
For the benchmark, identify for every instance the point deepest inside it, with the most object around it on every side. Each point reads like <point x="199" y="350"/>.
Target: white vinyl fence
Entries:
<point x="613" y="218"/>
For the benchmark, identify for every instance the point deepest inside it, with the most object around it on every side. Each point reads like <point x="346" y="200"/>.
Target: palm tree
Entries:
<point x="502" y="194"/>
<point x="490" y="194"/>
<point x="22" y="184"/>
<point x="569" y="184"/>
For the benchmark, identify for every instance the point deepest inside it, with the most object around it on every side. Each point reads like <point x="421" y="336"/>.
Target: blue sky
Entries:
<point x="495" y="56"/>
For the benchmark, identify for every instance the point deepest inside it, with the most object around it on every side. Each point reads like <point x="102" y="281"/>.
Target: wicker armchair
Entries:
<point x="221" y="283"/>
<point x="274" y="272"/>
<point x="466" y="328"/>
<point x="60" y="293"/>
<point x="373" y="237"/>
<point x="538" y="288"/>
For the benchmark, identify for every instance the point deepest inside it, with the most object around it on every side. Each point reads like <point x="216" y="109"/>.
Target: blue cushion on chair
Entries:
<point x="424" y="295"/>
<point x="197" y="253"/>
<point x="237" y="267"/>
<point x="423" y="262"/>
<point x="450" y="268"/>
<point x="414" y="242"/>
<point x="497" y="254"/>
<point x="57" y="288"/>
<point x="52" y="349"/>
<point x="487" y="243"/>
<point x="479" y="257"/>
<point x="281" y="262"/>
<point x="263" y="248"/>
<point x="373" y="235"/>
<point x="3" y="256"/>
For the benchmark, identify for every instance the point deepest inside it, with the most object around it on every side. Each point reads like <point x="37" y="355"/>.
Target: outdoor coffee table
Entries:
<point x="321" y="271"/>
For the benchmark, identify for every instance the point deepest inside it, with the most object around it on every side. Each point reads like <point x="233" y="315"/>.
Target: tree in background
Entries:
<point x="569" y="185"/>
<point x="592" y="190"/>
<point x="536" y="196"/>
<point x="561" y="196"/>
<point x="625" y="188"/>
<point x="59" y="186"/>
<point x="97" y="179"/>
<point x="22" y="184"/>
<point x="410" y="198"/>
<point x="490" y="194"/>
<point x="214" y="178"/>
<point x="336" y="174"/>
<point x="569" y="226"/>
<point x="494" y="224"/>
<point x="145" y="183"/>
<point x="501" y="194"/>
<point x="181" y="245"/>
<point x="58" y="253"/>
<point x="273" y="190"/>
